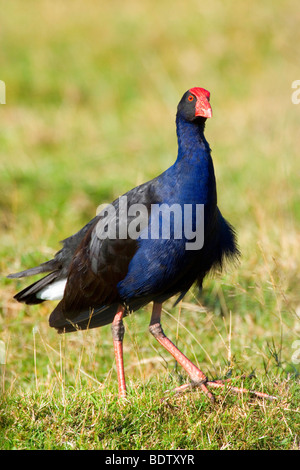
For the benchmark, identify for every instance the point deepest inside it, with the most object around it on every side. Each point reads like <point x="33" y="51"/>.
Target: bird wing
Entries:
<point x="102" y="258"/>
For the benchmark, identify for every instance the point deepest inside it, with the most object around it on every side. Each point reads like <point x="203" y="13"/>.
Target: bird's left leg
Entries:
<point x="117" y="329"/>
<point x="196" y="375"/>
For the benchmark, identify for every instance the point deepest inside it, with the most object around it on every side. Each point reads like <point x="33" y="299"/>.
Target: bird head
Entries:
<point x="195" y="103"/>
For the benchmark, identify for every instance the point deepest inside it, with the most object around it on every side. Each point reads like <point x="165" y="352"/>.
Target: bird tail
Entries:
<point x="37" y="292"/>
<point x="42" y="268"/>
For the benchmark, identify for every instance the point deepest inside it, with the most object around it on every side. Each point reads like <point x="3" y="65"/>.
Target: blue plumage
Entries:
<point x="102" y="273"/>
<point x="108" y="269"/>
<point x="165" y="267"/>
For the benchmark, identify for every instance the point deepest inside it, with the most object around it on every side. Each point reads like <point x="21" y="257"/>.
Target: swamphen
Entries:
<point x="105" y="271"/>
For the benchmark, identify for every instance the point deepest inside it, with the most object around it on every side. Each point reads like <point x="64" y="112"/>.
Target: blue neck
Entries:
<point x="194" y="163"/>
<point x="191" y="140"/>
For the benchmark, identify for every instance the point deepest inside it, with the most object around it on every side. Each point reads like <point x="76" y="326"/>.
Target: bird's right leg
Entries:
<point x="198" y="378"/>
<point x="117" y="329"/>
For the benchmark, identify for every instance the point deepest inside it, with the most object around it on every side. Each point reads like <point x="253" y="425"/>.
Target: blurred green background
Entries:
<point x="91" y="94"/>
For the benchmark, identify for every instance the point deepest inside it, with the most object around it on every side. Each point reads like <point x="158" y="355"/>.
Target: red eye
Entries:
<point x="190" y="98"/>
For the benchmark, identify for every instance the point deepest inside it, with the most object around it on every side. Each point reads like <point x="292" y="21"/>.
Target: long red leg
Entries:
<point x="117" y="328"/>
<point x="198" y="379"/>
<point x="196" y="375"/>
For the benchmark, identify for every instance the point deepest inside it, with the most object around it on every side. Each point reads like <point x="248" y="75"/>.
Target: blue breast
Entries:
<point x="160" y="261"/>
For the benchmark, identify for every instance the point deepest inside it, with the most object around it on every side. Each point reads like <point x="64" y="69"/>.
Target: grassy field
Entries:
<point x="91" y="96"/>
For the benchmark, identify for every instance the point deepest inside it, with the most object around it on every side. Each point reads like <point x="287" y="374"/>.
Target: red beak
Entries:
<point x="202" y="107"/>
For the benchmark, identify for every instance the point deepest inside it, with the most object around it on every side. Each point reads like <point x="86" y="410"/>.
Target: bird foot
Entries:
<point x="204" y="385"/>
<point x="193" y="384"/>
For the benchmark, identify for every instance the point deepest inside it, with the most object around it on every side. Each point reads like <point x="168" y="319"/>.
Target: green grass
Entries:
<point x="88" y="419"/>
<point x="92" y="91"/>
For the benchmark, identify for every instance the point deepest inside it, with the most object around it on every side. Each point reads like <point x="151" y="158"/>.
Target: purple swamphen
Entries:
<point x="102" y="273"/>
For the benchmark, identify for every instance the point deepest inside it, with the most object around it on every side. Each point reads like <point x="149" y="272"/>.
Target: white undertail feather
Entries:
<point x="54" y="291"/>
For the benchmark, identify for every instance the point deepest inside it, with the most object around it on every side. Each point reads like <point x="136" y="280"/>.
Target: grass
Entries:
<point x="84" y="418"/>
<point x="91" y="96"/>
